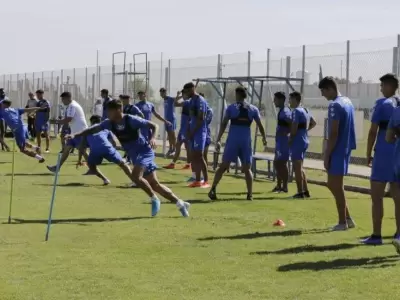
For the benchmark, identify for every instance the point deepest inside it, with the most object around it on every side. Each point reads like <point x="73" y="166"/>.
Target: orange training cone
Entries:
<point x="279" y="223"/>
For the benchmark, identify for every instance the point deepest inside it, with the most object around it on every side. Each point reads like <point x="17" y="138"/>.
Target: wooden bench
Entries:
<point x="271" y="172"/>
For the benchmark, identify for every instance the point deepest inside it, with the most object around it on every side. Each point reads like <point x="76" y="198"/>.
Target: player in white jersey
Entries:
<point x="75" y="117"/>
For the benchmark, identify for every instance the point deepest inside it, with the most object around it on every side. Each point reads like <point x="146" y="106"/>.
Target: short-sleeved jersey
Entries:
<point x="132" y="109"/>
<point x="381" y="114"/>
<point x="147" y="108"/>
<point x="241" y="116"/>
<point x="128" y="132"/>
<point x="12" y="117"/>
<point x="43" y="115"/>
<point x="104" y="104"/>
<point x="209" y="115"/>
<point x="284" y="118"/>
<point x="78" y="121"/>
<point x="169" y="108"/>
<point x="185" y="116"/>
<point x="100" y="141"/>
<point x="301" y="117"/>
<point x="341" y="109"/>
<point x="394" y="124"/>
<point x="198" y="107"/>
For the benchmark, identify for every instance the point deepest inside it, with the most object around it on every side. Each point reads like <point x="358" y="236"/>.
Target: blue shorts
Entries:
<point x="339" y="164"/>
<point x="282" y="151"/>
<point x="20" y="136"/>
<point x="65" y="130"/>
<point x="145" y="160"/>
<point x="75" y="142"/>
<point x="298" y="152"/>
<point x="181" y="136"/>
<point x="233" y="151"/>
<point x="41" y="126"/>
<point x="171" y="127"/>
<point x="198" y="142"/>
<point x="381" y="166"/>
<point x="96" y="158"/>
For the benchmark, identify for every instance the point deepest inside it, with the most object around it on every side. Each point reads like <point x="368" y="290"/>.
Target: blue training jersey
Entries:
<point x="147" y="108"/>
<point x="43" y="116"/>
<point x="394" y="124"/>
<point x="198" y="107"/>
<point x="185" y="116"/>
<point x="12" y="117"/>
<point x="284" y="119"/>
<point x="169" y="108"/>
<point x="301" y="117"/>
<point x="341" y="109"/>
<point x="132" y="109"/>
<point x="100" y="141"/>
<point x="241" y="116"/>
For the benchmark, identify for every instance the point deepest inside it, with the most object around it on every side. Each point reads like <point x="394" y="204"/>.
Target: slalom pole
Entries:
<point x="12" y="184"/>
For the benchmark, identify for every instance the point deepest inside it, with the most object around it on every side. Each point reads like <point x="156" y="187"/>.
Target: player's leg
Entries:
<point x="21" y="137"/>
<point x="395" y="192"/>
<point x="246" y="158"/>
<point x="298" y="154"/>
<point x="63" y="141"/>
<point x="164" y="191"/>
<point x="281" y="167"/>
<point x="93" y="161"/>
<point x="178" y="147"/>
<point x="71" y="144"/>
<point x="2" y="134"/>
<point x="38" y="127"/>
<point x="46" y="136"/>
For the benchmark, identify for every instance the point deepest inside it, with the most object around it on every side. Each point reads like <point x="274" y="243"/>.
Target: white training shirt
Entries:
<point x="78" y="122"/>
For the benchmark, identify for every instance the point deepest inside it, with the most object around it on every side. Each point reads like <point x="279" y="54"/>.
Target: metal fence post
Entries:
<point x="303" y="70"/>
<point x="86" y="87"/>
<point x="288" y="65"/>
<point x="163" y="133"/>
<point x="395" y="62"/>
<point x="62" y="81"/>
<point x="398" y="55"/>
<point x="347" y="68"/>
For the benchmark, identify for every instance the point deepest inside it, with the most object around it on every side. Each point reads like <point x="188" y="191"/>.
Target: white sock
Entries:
<point x="180" y="203"/>
<point x="38" y="157"/>
<point x="154" y="198"/>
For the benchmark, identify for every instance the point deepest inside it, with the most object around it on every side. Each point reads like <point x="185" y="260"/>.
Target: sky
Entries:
<point x="53" y="34"/>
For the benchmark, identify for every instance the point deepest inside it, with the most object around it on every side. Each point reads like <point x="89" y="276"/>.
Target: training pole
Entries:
<point x="12" y="184"/>
<point x="53" y="196"/>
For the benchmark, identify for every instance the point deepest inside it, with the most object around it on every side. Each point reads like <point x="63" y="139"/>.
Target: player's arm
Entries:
<point x="158" y="116"/>
<point x="260" y="126"/>
<point x="178" y="101"/>
<point x="202" y="109"/>
<point x="312" y="124"/>
<point x="112" y="140"/>
<point x="137" y="112"/>
<point x="390" y="132"/>
<point x="82" y="151"/>
<point x="91" y="130"/>
<point x="373" y="130"/>
<point x="32" y="110"/>
<point x="333" y="131"/>
<point x="294" y="126"/>
<point x="223" y="126"/>
<point x="64" y="121"/>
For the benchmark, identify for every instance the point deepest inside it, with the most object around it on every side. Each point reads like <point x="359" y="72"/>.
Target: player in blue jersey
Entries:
<point x="382" y="172"/>
<point x="13" y="119"/>
<point x="209" y="118"/>
<point x="105" y="98"/>
<point x="129" y="108"/>
<point x="284" y="117"/>
<point x="4" y="146"/>
<point x="302" y="122"/>
<point x="341" y="141"/>
<point x="127" y="129"/>
<point x="238" y="144"/>
<point x="169" y="115"/>
<point x="148" y="110"/>
<point x="197" y="135"/>
<point x="182" y="100"/>
<point x="102" y="146"/>
<point x="42" y="120"/>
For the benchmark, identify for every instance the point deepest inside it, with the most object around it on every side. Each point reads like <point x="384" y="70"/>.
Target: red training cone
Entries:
<point x="279" y="223"/>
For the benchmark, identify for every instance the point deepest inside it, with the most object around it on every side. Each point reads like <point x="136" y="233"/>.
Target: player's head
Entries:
<point x="189" y="89"/>
<point x="389" y="85"/>
<point x="294" y="99"/>
<point x="66" y="98"/>
<point x="39" y="94"/>
<point x="328" y="87"/>
<point x="114" y="110"/>
<point x="124" y="99"/>
<point x="104" y="93"/>
<point x="279" y="99"/>
<point x="240" y="93"/>
<point x="141" y="95"/>
<point x="95" y="119"/>
<point x="163" y="93"/>
<point x="2" y="93"/>
<point x="31" y="96"/>
<point x="184" y="95"/>
<point x="6" y="103"/>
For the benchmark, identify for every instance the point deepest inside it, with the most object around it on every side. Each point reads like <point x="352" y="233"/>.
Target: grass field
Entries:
<point x="104" y="245"/>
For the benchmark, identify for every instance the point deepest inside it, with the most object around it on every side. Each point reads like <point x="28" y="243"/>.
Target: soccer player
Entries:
<point x="105" y="98"/>
<point x="185" y="116"/>
<point x="209" y="118"/>
<point x="12" y="116"/>
<point x="197" y="135"/>
<point x="75" y="117"/>
<point x="282" y="143"/>
<point x="341" y="141"/>
<point x="302" y="122"/>
<point x="148" y="109"/>
<point x="169" y="115"/>
<point x="4" y="146"/>
<point x="42" y="120"/>
<point x="32" y="102"/>
<point x="127" y="129"/>
<point x="238" y="144"/>
<point x="102" y="146"/>
<point x="382" y="171"/>
<point x="130" y="109"/>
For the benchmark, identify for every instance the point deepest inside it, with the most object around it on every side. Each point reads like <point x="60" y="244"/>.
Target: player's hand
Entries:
<point x="178" y="94"/>
<point x="264" y="141"/>
<point x="69" y="136"/>
<point x="153" y="143"/>
<point x="369" y="161"/>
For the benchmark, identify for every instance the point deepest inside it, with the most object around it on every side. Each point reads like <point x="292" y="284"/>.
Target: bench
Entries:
<point x="271" y="172"/>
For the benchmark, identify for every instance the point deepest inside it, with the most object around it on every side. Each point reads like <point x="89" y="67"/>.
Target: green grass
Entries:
<point x="107" y="247"/>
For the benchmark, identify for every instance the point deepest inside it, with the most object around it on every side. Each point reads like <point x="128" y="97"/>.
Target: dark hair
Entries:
<point x="163" y="90"/>
<point x="327" y="83"/>
<point x="95" y="119"/>
<point x="6" y="102"/>
<point x="188" y="85"/>
<point x="124" y="97"/>
<point x="39" y="92"/>
<point x="295" y="95"/>
<point x="65" y="95"/>
<point x="391" y="79"/>
<point x="242" y="91"/>
<point x="201" y="94"/>
<point x="104" y="91"/>
<point x="114" y="105"/>
<point x="141" y="93"/>
<point x="280" y="95"/>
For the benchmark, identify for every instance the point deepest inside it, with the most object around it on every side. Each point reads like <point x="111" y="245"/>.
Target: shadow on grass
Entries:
<point x="78" y="220"/>
<point x="256" y="235"/>
<point x="30" y="174"/>
<point x="239" y="193"/>
<point x="308" y="249"/>
<point x="69" y="184"/>
<point x="342" y="263"/>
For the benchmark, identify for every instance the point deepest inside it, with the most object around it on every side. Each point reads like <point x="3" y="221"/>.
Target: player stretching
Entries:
<point x="302" y="122"/>
<point x="169" y="115"/>
<point x="75" y="117"/>
<point x="42" y="120"/>
<point x="12" y="117"/>
<point x="381" y="162"/>
<point x="185" y="116"/>
<point x="282" y="143"/>
<point x="341" y="141"/>
<point x="238" y="144"/>
<point x="127" y="129"/>
<point x="102" y="146"/>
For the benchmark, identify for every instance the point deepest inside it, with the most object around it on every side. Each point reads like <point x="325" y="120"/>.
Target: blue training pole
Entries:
<point x="53" y="196"/>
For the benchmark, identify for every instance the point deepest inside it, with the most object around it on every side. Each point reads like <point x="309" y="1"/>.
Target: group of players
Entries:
<point x="131" y="126"/>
